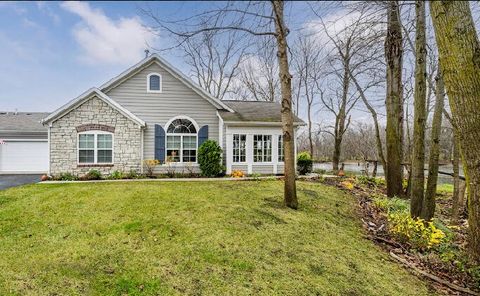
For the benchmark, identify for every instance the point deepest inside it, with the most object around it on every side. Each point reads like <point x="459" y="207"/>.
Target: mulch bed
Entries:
<point x="444" y="277"/>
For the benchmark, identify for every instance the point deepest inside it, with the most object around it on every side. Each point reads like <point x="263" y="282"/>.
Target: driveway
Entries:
<point x="7" y="181"/>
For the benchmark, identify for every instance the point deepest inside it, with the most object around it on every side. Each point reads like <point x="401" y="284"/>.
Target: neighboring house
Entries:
<point x="23" y="143"/>
<point x="153" y="111"/>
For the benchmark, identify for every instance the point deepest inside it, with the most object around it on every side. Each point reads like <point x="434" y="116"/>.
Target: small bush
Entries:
<point x="93" y="175"/>
<point x="132" y="174"/>
<point x="116" y="175"/>
<point x="420" y="234"/>
<point x="210" y="159"/>
<point x="150" y="165"/>
<point x="392" y="205"/>
<point x="65" y="177"/>
<point x="304" y="163"/>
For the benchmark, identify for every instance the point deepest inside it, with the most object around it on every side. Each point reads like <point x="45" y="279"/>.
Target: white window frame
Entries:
<point x="95" y="148"/>
<point x="280" y="144"/>
<point x="233" y="148"/>
<point x="148" y="83"/>
<point x="181" y="139"/>
<point x="263" y="147"/>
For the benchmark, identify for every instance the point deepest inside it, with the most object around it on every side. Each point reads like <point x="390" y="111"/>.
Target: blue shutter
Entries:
<point x="159" y="143"/>
<point x="202" y="135"/>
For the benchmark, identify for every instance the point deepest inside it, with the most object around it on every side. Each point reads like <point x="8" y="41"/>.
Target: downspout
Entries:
<point x="49" y="150"/>
<point x="142" y="132"/>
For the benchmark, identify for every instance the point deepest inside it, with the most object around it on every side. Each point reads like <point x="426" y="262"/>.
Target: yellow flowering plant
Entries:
<point x="419" y="233"/>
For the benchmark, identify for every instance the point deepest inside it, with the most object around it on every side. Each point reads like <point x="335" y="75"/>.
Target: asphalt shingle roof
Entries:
<point x="254" y="111"/>
<point x="22" y="121"/>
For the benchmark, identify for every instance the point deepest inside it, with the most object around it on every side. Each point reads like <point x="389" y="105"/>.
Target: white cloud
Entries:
<point x="46" y="9"/>
<point x="108" y="41"/>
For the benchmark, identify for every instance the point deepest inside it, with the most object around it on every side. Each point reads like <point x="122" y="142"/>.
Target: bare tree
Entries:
<point x="256" y="19"/>
<point x="258" y="78"/>
<point x="214" y="58"/>
<point x="420" y="113"/>
<point x="394" y="100"/>
<point x="428" y="205"/>
<point x="307" y="64"/>
<point x="459" y="55"/>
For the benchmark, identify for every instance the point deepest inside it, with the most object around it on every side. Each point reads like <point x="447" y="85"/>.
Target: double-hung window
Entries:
<point x="95" y="148"/>
<point x="239" y="148"/>
<point x="262" y="148"/>
<point x="181" y="141"/>
<point x="281" y="156"/>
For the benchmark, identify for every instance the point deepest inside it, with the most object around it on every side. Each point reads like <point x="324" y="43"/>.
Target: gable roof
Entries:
<point x="112" y="83"/>
<point x="86" y="96"/>
<point x="22" y="122"/>
<point x="255" y="112"/>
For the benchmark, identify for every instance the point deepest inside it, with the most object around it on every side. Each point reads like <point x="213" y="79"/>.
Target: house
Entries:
<point x="153" y="111"/>
<point x="23" y="143"/>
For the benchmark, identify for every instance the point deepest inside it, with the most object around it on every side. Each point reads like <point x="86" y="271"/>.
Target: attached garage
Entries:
<point x="23" y="143"/>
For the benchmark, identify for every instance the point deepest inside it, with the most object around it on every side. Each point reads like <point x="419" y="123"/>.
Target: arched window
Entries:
<point x="181" y="140"/>
<point x="154" y="82"/>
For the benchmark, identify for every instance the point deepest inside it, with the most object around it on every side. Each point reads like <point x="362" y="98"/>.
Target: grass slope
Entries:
<point x="222" y="238"/>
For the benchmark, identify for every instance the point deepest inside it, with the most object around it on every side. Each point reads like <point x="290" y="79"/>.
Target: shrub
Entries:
<point x="93" y="175"/>
<point x="304" y="163"/>
<point x="150" y="165"/>
<point x="65" y="177"/>
<point x="420" y="234"/>
<point x="116" y="175"/>
<point x="132" y="175"/>
<point x="391" y="205"/>
<point x="237" y="174"/>
<point x="210" y="159"/>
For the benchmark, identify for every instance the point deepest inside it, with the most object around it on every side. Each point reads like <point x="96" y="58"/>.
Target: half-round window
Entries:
<point x="182" y="126"/>
<point x="154" y="82"/>
<point x="181" y="141"/>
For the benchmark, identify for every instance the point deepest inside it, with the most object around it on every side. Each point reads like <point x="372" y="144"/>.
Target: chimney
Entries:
<point x="147" y="53"/>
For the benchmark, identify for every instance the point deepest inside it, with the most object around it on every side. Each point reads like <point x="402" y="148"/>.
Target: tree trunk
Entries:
<point x="290" y="191"/>
<point x="336" y="154"/>
<point x="372" y="111"/>
<point x="310" y="135"/>
<point x="394" y="101"/>
<point x="456" y="183"/>
<point x="420" y="114"/>
<point x="459" y="52"/>
<point x="428" y="209"/>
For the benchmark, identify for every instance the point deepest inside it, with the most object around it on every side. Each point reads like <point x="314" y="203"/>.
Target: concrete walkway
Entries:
<point x="183" y="179"/>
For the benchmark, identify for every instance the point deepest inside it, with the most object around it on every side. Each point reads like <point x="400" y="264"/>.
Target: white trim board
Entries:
<point x="93" y="92"/>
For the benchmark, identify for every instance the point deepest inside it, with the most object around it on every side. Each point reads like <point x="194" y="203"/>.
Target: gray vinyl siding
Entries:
<point x="240" y="167"/>
<point x="262" y="169"/>
<point x="280" y="169"/>
<point x="158" y="108"/>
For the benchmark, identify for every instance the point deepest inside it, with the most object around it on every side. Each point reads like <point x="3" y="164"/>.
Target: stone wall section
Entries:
<point x="94" y="112"/>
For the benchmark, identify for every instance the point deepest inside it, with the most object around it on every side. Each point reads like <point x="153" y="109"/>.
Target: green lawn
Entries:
<point x="211" y="238"/>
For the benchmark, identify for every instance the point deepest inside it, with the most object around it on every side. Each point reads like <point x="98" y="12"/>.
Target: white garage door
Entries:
<point x="23" y="156"/>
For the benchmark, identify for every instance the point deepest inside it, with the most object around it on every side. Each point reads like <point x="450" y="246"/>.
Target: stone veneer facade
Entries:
<point x="127" y="154"/>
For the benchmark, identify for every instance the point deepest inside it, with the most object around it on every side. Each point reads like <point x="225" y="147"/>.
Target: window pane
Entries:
<point x="173" y="155"/>
<point x="173" y="142"/>
<point x="104" y="156"/>
<point x="104" y="141"/>
<point x="86" y="156"/>
<point x="154" y="82"/>
<point x="86" y="141"/>
<point x="181" y="126"/>
<point x="189" y="142"/>
<point x="189" y="155"/>
<point x="280" y="148"/>
<point x="239" y="148"/>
